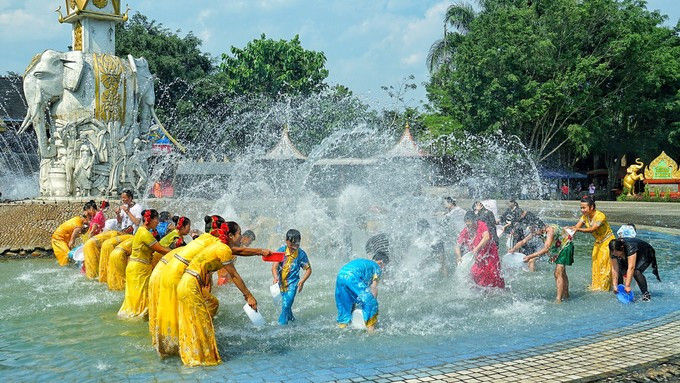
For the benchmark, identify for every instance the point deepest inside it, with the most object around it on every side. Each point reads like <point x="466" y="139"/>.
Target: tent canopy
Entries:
<point x="560" y="173"/>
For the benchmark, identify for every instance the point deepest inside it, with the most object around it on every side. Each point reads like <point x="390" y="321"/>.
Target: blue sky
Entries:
<point x="368" y="43"/>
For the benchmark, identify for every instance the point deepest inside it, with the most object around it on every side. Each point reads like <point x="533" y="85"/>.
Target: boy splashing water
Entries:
<point x="287" y="274"/>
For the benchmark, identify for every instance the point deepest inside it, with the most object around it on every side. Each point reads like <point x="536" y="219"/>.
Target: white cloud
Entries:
<point x="413" y="59"/>
<point x="27" y="26"/>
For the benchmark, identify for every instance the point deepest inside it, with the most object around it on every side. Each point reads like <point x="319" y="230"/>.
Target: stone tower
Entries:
<point x="94" y="24"/>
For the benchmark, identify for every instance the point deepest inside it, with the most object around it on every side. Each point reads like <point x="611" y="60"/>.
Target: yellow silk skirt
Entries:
<point x="155" y="258"/>
<point x="211" y="302"/>
<point x="136" y="300"/>
<point x="154" y="290"/>
<point x="91" y="252"/>
<point x="197" y="343"/>
<point x="115" y="272"/>
<point x="602" y="268"/>
<point x="105" y="254"/>
<point x="61" y="250"/>
<point x="167" y="326"/>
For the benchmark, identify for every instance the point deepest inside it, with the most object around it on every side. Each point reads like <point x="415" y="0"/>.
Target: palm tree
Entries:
<point x="459" y="16"/>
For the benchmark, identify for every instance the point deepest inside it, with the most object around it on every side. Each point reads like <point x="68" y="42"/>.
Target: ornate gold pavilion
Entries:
<point x="663" y="176"/>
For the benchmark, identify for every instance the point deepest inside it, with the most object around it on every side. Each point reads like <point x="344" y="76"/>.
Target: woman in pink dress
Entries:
<point x="97" y="223"/>
<point x="475" y="239"/>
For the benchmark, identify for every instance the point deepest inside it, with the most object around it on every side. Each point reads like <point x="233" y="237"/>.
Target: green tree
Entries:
<point x="171" y="57"/>
<point x="561" y="75"/>
<point x="268" y="67"/>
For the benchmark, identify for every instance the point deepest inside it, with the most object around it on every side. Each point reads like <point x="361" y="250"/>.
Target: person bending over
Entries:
<point x="629" y="258"/>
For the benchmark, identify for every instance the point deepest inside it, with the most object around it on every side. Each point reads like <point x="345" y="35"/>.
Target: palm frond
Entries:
<point x="460" y="16"/>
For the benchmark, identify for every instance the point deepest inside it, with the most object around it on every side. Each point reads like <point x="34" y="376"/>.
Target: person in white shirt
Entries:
<point x="129" y="214"/>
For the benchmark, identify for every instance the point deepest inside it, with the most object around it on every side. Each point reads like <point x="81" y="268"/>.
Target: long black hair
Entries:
<point x="589" y="200"/>
<point x="212" y="222"/>
<point x="149" y="214"/>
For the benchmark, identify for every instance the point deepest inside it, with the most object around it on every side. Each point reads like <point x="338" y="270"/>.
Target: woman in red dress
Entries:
<point x="475" y="239"/>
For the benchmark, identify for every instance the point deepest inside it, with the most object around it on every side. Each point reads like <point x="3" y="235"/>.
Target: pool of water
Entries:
<point x="55" y="324"/>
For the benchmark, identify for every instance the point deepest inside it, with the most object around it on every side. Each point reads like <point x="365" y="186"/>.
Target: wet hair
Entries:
<point x="450" y="200"/>
<point x="233" y="227"/>
<point x="293" y="236"/>
<point x="422" y="225"/>
<point x="470" y="216"/>
<point x="212" y="222"/>
<point x="104" y="204"/>
<point x="619" y="244"/>
<point x="90" y="205"/>
<point x="181" y="221"/>
<point x="164" y="216"/>
<point x="249" y="233"/>
<point x="149" y="214"/>
<point x="531" y="220"/>
<point x="128" y="193"/>
<point x="381" y="256"/>
<point x="589" y="200"/>
<point x="475" y="204"/>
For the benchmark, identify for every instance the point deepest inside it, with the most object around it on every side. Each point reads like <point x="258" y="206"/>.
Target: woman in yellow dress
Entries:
<point x="164" y="327"/>
<point x="91" y="251"/>
<point x="174" y="238"/>
<point x="196" y="306"/>
<point x="105" y="253"/>
<point x="596" y="223"/>
<point x="66" y="234"/>
<point x="138" y="270"/>
<point x="118" y="259"/>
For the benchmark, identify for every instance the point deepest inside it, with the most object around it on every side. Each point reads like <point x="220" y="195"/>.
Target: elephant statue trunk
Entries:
<point x="35" y="116"/>
<point x="632" y="176"/>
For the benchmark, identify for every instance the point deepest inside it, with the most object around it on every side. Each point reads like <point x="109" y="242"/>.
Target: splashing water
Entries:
<point x="345" y="191"/>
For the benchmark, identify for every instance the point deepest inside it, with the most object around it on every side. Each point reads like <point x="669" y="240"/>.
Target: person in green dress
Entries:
<point x="558" y="244"/>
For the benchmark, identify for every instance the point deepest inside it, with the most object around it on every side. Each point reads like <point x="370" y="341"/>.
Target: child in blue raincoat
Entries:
<point x="357" y="285"/>
<point x="287" y="274"/>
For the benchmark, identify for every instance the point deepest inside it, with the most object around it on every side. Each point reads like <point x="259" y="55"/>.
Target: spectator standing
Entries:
<point x="591" y="189"/>
<point x="565" y="191"/>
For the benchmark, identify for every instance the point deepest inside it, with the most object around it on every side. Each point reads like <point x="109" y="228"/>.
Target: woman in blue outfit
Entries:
<point x="287" y="274"/>
<point x="357" y="284"/>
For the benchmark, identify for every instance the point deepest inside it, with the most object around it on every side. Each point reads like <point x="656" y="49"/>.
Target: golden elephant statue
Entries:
<point x="632" y="176"/>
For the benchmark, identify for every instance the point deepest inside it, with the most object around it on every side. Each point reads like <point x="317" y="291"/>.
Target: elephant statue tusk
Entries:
<point x="167" y="134"/>
<point x="23" y="127"/>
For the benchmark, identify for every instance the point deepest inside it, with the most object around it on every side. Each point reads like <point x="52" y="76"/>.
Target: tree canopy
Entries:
<point x="269" y="67"/>
<point x="170" y="55"/>
<point x="599" y="76"/>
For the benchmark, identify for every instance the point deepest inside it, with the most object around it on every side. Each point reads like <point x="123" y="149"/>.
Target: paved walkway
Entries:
<point x="609" y="353"/>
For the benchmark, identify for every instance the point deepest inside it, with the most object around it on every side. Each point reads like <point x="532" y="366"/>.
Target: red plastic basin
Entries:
<point x="276" y="256"/>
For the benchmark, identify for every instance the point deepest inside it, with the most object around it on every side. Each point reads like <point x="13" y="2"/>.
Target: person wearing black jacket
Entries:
<point x="630" y="257"/>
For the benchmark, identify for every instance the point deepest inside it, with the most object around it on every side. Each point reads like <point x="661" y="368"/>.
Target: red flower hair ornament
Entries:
<point x="222" y="232"/>
<point x="147" y="216"/>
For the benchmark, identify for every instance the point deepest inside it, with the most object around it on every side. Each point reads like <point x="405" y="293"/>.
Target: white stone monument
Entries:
<point x="92" y="111"/>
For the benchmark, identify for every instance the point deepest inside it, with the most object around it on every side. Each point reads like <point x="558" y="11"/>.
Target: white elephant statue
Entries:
<point x="97" y="99"/>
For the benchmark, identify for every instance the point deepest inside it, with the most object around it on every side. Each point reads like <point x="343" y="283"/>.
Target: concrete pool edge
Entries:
<point x="583" y="359"/>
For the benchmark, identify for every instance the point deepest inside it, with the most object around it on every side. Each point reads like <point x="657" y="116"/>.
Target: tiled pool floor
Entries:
<point x="578" y="360"/>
